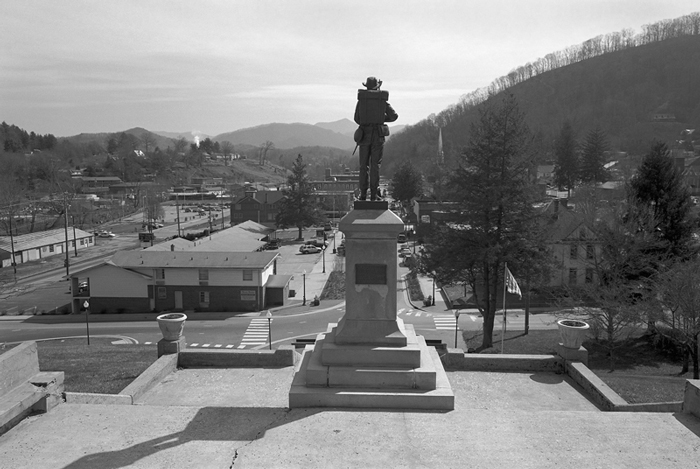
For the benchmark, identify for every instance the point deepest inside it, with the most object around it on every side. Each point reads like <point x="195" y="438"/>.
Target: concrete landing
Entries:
<point x="209" y="419"/>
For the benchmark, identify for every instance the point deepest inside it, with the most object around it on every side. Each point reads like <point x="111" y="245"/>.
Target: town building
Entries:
<point x="258" y="206"/>
<point x="42" y="244"/>
<point x="572" y="244"/>
<point x="191" y="281"/>
<point x="97" y="184"/>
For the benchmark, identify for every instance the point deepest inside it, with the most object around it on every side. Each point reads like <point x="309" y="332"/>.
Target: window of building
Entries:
<point x="82" y="242"/>
<point x="237" y="215"/>
<point x="90" y="240"/>
<point x="573" y="251"/>
<point x="203" y="275"/>
<point x="270" y="217"/>
<point x="573" y="274"/>
<point x="589" y="275"/>
<point x="72" y="243"/>
<point x="51" y="248"/>
<point x="44" y="249"/>
<point x="204" y="297"/>
<point x="248" y="275"/>
<point x="590" y="252"/>
<point x="162" y="293"/>
<point x="160" y="274"/>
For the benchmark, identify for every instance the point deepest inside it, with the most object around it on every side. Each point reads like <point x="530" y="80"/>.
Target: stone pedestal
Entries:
<point x="580" y="354"/>
<point x="370" y="358"/>
<point x="168" y="347"/>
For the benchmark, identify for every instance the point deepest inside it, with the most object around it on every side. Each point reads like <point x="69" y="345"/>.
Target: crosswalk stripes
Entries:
<point x="445" y="323"/>
<point x="256" y="334"/>
<point x="412" y="312"/>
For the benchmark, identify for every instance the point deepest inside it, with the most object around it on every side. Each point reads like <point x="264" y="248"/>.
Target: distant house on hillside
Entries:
<point x="97" y="185"/>
<point x="545" y="173"/>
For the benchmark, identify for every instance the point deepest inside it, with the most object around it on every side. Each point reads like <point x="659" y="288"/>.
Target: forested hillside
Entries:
<point x="636" y="88"/>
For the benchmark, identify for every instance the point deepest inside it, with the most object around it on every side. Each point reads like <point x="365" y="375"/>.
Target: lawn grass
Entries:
<point x="99" y="367"/>
<point x="334" y="289"/>
<point x="641" y="373"/>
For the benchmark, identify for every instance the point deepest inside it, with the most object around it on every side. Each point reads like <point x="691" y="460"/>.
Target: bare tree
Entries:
<point x="679" y="295"/>
<point x="148" y="141"/>
<point x="264" y="148"/>
<point x="227" y="148"/>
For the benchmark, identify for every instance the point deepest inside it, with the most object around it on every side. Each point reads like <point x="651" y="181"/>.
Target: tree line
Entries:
<point x="15" y="139"/>
<point x="688" y="25"/>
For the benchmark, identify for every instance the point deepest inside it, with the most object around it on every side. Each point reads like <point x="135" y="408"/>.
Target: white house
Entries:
<point x="139" y="281"/>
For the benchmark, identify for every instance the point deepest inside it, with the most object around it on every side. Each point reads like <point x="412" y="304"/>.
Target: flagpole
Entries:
<point x="505" y="278"/>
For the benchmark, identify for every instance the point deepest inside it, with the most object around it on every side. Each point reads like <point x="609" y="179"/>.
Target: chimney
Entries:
<point x="172" y="247"/>
<point x="328" y="174"/>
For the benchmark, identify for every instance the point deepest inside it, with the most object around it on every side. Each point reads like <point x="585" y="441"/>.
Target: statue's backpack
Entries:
<point x="372" y="106"/>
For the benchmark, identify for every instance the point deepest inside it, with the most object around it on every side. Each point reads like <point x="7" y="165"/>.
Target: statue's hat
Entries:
<point x="372" y="83"/>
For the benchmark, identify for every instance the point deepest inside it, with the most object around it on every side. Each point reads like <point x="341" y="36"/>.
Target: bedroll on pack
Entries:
<point x="372" y="106"/>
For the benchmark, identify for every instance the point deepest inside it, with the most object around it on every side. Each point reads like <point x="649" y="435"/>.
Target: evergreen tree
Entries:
<point x="407" y="183"/>
<point x="566" y="166"/>
<point x="593" y="157"/>
<point x="497" y="220"/>
<point x="658" y="187"/>
<point x="298" y="206"/>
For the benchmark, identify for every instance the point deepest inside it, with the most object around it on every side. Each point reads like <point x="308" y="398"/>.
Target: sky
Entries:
<point x="209" y="66"/>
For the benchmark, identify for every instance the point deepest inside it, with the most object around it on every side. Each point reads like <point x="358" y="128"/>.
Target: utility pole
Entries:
<point x="12" y="247"/>
<point x="177" y="208"/>
<point x="65" y="213"/>
<point x="75" y="241"/>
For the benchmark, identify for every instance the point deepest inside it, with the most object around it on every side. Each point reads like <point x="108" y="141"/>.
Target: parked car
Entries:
<point x="317" y="243"/>
<point x="401" y="238"/>
<point x="309" y="249"/>
<point x="106" y="234"/>
<point x="403" y="252"/>
<point x="273" y="244"/>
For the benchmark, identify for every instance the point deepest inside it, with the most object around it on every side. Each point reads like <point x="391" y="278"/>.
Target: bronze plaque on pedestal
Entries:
<point x="370" y="274"/>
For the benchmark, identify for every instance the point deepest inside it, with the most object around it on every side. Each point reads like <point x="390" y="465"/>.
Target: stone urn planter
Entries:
<point x="171" y="325"/>
<point x="573" y="332"/>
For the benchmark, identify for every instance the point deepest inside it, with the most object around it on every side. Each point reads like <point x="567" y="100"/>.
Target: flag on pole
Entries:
<point x="512" y="285"/>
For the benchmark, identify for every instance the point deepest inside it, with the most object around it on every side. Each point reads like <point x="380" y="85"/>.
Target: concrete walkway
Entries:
<point x="214" y="418"/>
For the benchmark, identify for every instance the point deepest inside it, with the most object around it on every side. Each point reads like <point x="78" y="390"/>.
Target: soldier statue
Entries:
<point x="371" y="114"/>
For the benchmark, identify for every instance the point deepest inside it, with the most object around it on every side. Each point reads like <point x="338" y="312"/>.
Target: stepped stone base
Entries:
<point x="365" y="376"/>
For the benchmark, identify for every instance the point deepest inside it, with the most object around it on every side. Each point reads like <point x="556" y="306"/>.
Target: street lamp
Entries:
<point x="323" y="255"/>
<point x="456" y="325"/>
<point x="433" y="289"/>
<point x="269" y="328"/>
<point x="86" y="305"/>
<point x="303" y="303"/>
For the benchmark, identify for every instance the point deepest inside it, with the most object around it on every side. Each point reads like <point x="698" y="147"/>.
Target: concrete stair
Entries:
<point x="359" y="383"/>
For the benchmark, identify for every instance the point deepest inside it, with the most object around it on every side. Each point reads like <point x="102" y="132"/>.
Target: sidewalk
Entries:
<point x="311" y="283"/>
